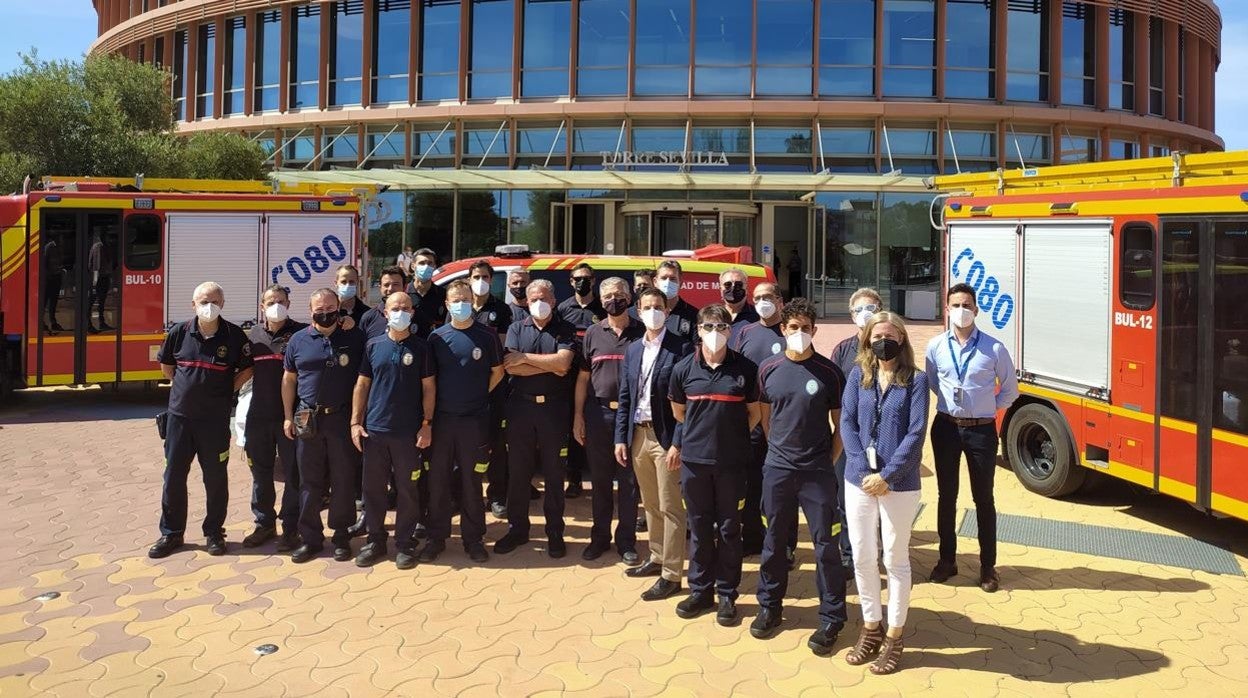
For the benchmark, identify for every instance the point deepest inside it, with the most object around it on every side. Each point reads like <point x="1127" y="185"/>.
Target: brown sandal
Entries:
<point x="868" y="645"/>
<point x="890" y="657"/>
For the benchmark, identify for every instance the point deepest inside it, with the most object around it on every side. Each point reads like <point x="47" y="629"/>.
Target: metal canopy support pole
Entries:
<point x="378" y="146"/>
<point x="432" y="145"/>
<point x="550" y="153"/>
<point x="492" y="142"/>
<point x="283" y="144"/>
<point x="954" y="148"/>
<point x="823" y="166"/>
<point x="888" y="147"/>
<point x="1017" y="148"/>
<point x="327" y="147"/>
<point x="619" y="140"/>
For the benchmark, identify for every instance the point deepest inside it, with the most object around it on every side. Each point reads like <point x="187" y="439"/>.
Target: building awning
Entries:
<point x="471" y="179"/>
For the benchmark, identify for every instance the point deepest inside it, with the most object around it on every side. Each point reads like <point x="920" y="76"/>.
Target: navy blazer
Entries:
<point x="673" y="348"/>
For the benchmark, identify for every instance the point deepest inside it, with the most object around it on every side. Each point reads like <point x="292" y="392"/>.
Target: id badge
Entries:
<point x="871" y="458"/>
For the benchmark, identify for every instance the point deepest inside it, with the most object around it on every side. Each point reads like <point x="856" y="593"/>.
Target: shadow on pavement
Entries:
<point x="56" y="405"/>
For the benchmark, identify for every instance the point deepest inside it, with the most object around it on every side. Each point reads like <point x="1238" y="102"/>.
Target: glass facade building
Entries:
<point x="894" y="88"/>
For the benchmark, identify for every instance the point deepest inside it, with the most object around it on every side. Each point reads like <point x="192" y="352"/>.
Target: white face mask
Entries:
<point x="653" y="318"/>
<point x="765" y="309"/>
<point x="539" y="309"/>
<point x="862" y="318"/>
<point x="398" y="320"/>
<point x="480" y="287"/>
<point x="798" y="342"/>
<point x="961" y="317"/>
<point x="208" y="311"/>
<point x="276" y="312"/>
<point x="715" y="341"/>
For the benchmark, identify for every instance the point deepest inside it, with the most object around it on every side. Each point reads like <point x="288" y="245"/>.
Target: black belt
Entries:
<point x="609" y="404"/>
<point x="966" y="421"/>
<point x="324" y="409"/>
<point x="535" y="399"/>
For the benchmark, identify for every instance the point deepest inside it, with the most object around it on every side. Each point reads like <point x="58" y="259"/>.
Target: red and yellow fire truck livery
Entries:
<point x="1121" y="290"/>
<point x="94" y="271"/>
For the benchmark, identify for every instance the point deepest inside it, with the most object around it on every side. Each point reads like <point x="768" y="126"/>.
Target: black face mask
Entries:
<point x="733" y="292"/>
<point x="325" y="319"/>
<point x="583" y="287"/>
<point x="886" y="349"/>
<point x="517" y="293"/>
<point x="616" y="307"/>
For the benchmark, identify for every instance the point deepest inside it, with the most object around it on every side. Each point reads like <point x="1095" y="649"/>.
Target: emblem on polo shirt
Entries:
<point x="407" y="358"/>
<point x="493" y="316"/>
<point x="221" y="352"/>
<point x="775" y="348"/>
<point x="476" y="353"/>
<point x="247" y="349"/>
<point x="684" y="326"/>
<point x="343" y="359"/>
<point x="740" y="381"/>
<point x="811" y="387"/>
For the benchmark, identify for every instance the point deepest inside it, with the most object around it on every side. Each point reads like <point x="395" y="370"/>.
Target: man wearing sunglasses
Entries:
<point x="390" y="422"/>
<point x="732" y="288"/>
<point x="714" y="393"/>
<point x="581" y="310"/>
<point x="864" y="303"/>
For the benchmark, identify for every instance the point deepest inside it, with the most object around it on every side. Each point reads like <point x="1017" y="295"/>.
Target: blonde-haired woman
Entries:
<point x="883" y="425"/>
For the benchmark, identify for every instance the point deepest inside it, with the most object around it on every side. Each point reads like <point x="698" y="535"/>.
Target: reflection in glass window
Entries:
<point x="733" y="140"/>
<point x="1120" y="149"/>
<point x="268" y="61"/>
<point x="547" y="38"/>
<point x="305" y="56"/>
<point x="235" y="66"/>
<point x="143" y="234"/>
<point x="909" y="48"/>
<point x="1156" y="67"/>
<point x="969" y="149"/>
<point x="385" y="144"/>
<point x="782" y="140"/>
<point x="539" y="141"/>
<point x="908" y="244"/>
<point x="489" y="72"/>
<point x="1078" y="53"/>
<point x="1180" y="309"/>
<point x="530" y="217"/>
<point x="722" y="49"/>
<point x="491" y="143"/>
<point x="969" y="52"/>
<point x="1137" y="288"/>
<point x="392" y="19"/>
<point x="593" y="140"/>
<point x="1027" y="77"/>
<point x="340" y="145"/>
<point x="205" y="71"/>
<point x="851" y="237"/>
<point x="662" y="47"/>
<point x="785" y="45"/>
<point x="846" y="48"/>
<point x="657" y="138"/>
<point x="179" y="75"/>
<point x="1121" y="59"/>
<point x="436" y="146"/>
<point x="299" y="149"/>
<point x="1034" y="148"/>
<point x="429" y="221"/>
<point x="346" y="47"/>
<point x="482" y="222"/>
<point x="1079" y="148"/>
<point x="602" y="50"/>
<point x="1230" y="325"/>
<point x="439" y="64"/>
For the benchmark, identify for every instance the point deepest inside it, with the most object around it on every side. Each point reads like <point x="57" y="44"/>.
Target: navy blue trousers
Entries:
<point x="815" y="492"/>
<point x="537" y="439"/>
<point x="327" y="463"/>
<point x="392" y="458"/>
<point x="714" y="498"/>
<point x="979" y="444"/>
<point x="185" y="440"/>
<point x="604" y="472"/>
<point x="496" y="491"/>
<point x="461" y="457"/>
<point x="267" y="445"/>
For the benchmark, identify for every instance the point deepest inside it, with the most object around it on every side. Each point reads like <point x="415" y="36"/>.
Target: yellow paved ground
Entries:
<point x="79" y="502"/>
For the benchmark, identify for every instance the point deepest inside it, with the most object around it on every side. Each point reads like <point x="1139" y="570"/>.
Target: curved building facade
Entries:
<point x="852" y="88"/>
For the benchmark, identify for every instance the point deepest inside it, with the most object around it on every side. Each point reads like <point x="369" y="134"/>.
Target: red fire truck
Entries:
<point x="1121" y="290"/>
<point x="94" y="271"/>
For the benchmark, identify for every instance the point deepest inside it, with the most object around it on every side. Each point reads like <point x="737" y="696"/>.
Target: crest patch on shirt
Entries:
<point x="407" y="358"/>
<point x="775" y="348"/>
<point x="812" y="387"/>
<point x="493" y="316"/>
<point x="684" y="326"/>
<point x="247" y="349"/>
<point x="476" y="353"/>
<point x="740" y="381"/>
<point x="222" y="351"/>
<point x="343" y="359"/>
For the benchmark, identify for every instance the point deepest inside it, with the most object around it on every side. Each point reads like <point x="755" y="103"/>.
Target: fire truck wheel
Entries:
<point x="1041" y="453"/>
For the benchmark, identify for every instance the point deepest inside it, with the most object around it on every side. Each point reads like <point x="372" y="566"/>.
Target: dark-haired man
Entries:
<point x="681" y="316"/>
<point x="375" y="321"/>
<point x="428" y="299"/>
<point x="581" y="310"/>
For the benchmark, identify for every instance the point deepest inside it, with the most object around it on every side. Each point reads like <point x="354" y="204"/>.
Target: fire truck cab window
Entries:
<point x="1137" y="285"/>
<point x="1230" y="326"/>
<point x="143" y="242"/>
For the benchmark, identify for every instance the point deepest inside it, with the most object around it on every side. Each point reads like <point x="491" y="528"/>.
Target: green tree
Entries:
<point x="107" y="117"/>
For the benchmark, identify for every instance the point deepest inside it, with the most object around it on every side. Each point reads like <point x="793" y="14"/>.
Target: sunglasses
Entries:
<point x="714" y="326"/>
<point x="728" y="285"/>
<point x="869" y="307"/>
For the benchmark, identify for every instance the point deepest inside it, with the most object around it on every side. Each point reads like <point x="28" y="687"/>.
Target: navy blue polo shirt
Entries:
<point x="717" y="421"/>
<point x="747" y="315"/>
<point x="845" y="354"/>
<point x="462" y="362"/>
<point x="603" y="354"/>
<point x="203" y="380"/>
<point x="268" y="350"/>
<point x="581" y="316"/>
<point x="528" y="338"/>
<point x="758" y="342"/>
<point x="326" y="367"/>
<point x="802" y="395"/>
<point x="518" y="312"/>
<point x="429" y="310"/>
<point x="683" y="320"/>
<point x="396" y="396"/>
<point x="495" y="314"/>
<point x="375" y="322"/>
<point x="357" y="311"/>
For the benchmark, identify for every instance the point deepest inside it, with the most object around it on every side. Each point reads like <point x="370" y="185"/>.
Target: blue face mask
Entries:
<point x="461" y="310"/>
<point x="669" y="287"/>
<point x="424" y="272"/>
<point x="346" y="291"/>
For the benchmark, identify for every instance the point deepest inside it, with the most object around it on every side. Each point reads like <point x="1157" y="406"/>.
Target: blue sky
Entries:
<point x="64" y="29"/>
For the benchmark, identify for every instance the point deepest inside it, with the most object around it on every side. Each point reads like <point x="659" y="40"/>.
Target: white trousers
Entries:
<point x="892" y="516"/>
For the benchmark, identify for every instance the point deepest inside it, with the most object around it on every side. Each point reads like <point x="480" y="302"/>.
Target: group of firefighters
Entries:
<point x="722" y="421"/>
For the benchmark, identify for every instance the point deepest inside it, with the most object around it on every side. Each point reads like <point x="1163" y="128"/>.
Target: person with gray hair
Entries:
<point x="206" y="359"/>
<point x="734" y="289"/>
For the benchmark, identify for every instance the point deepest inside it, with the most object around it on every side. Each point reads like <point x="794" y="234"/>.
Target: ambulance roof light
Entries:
<point x="512" y="251"/>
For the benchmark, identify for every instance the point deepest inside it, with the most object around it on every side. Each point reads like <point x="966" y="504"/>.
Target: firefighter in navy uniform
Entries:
<point x="322" y="363"/>
<point x="265" y="436"/>
<point x="428" y="299"/>
<point x="207" y="360"/>
<point x="349" y="302"/>
<point x="468" y="365"/>
<point x="390" y="422"/>
<point x="540" y="354"/>
<point x="375" y="322"/>
<point x="517" y="289"/>
<point x="714" y="394"/>
<point x="800" y="392"/>
<point x="490" y="312"/>
<point x="759" y="342"/>
<point x="596" y="404"/>
<point x="681" y="316"/>
<point x="733" y="289"/>
<point x="582" y="310"/>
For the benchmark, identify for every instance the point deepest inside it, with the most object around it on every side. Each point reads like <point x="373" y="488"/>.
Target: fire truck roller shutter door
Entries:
<point x="985" y="255"/>
<point x="220" y="247"/>
<point x="304" y="251"/>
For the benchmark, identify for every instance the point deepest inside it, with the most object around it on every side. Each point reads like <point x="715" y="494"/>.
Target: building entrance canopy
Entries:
<point x="484" y="180"/>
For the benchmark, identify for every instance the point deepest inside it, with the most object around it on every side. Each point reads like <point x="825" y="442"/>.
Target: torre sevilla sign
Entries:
<point x="663" y="158"/>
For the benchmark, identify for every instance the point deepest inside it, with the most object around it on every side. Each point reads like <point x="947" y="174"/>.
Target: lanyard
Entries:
<point x="953" y="354"/>
<point x="879" y="406"/>
<point x="643" y="387"/>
